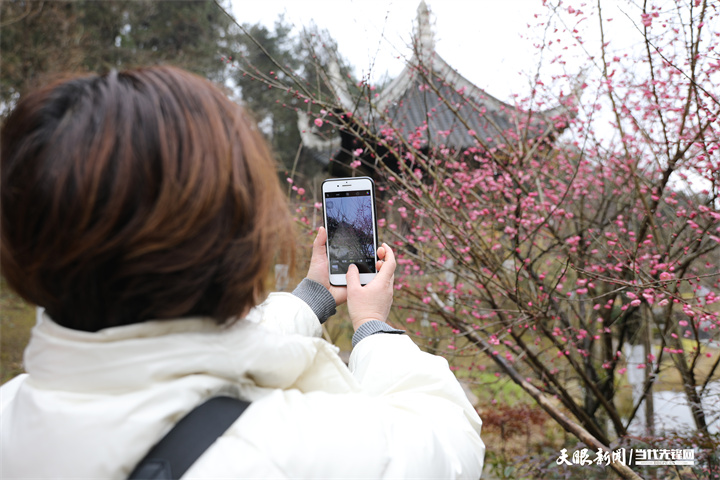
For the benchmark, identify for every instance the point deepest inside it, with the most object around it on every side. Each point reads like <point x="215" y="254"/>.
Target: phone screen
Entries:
<point x="350" y="229"/>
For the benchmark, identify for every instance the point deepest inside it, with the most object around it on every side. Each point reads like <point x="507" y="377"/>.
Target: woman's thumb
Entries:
<point x="353" y="277"/>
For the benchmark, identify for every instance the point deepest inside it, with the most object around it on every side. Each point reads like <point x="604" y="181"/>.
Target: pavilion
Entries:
<point x="429" y="97"/>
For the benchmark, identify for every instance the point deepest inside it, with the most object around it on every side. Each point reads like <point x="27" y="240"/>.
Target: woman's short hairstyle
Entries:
<point x="145" y="194"/>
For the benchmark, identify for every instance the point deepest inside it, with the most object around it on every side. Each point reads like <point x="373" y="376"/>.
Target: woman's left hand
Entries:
<point x="319" y="270"/>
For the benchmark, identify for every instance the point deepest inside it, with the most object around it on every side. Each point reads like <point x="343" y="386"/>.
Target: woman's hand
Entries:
<point x="372" y="301"/>
<point x="319" y="269"/>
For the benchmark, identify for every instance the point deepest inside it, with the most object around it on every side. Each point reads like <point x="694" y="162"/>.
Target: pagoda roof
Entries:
<point x="428" y="99"/>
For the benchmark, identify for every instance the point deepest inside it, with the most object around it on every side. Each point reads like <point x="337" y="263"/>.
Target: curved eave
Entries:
<point x="453" y="112"/>
<point x="387" y="107"/>
<point x="312" y="138"/>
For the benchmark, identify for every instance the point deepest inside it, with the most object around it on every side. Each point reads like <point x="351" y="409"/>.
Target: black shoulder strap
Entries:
<point x="171" y="457"/>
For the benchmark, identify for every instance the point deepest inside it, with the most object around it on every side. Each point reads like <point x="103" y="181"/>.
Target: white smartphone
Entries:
<point x="351" y="223"/>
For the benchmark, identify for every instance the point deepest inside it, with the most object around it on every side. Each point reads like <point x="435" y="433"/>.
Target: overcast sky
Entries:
<point x="487" y="41"/>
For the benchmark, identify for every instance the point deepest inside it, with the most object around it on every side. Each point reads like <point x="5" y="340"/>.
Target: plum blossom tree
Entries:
<point x="556" y="259"/>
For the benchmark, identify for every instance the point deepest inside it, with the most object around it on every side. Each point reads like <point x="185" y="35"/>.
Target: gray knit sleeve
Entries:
<point x="371" y="328"/>
<point x="317" y="297"/>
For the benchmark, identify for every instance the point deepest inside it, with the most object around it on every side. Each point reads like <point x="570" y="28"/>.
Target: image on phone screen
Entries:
<point x="350" y="231"/>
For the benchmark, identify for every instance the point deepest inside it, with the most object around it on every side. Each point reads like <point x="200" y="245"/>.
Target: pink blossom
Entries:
<point x="666" y="276"/>
<point x="649" y="298"/>
<point x="319" y="122"/>
<point x="510" y="220"/>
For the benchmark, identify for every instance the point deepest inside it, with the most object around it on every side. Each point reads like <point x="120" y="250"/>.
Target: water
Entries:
<point x="671" y="410"/>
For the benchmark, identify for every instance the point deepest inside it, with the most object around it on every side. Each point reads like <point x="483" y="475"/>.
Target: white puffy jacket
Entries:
<point x="92" y="404"/>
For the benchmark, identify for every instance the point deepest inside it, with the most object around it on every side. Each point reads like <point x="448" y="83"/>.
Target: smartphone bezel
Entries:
<point x="348" y="185"/>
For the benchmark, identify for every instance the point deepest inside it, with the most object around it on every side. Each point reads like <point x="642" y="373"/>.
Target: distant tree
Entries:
<point x="274" y="108"/>
<point x="43" y="38"/>
<point x="267" y="61"/>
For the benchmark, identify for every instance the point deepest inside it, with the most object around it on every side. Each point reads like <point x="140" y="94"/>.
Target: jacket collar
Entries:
<point x="122" y="359"/>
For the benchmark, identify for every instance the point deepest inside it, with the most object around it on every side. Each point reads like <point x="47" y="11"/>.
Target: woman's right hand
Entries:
<point x="372" y="301"/>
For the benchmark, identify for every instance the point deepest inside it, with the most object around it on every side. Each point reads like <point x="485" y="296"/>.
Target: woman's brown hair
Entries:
<point x="138" y="195"/>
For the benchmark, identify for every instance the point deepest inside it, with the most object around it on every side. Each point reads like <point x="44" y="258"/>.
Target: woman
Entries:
<point x="142" y="211"/>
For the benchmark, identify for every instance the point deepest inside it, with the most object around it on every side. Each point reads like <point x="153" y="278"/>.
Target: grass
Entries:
<point x="16" y="320"/>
